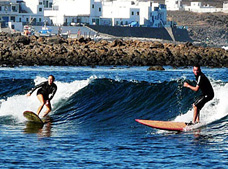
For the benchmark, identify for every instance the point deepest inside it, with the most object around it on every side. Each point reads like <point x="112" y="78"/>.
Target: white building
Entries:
<point x="8" y="12"/>
<point x="33" y="11"/>
<point x="121" y="12"/>
<point x="177" y="5"/>
<point x="66" y="12"/>
<point x="199" y="8"/>
<point x="124" y="12"/>
<point x="159" y="15"/>
<point x="98" y="12"/>
<point x="225" y="7"/>
<point x="15" y="13"/>
<point x="174" y="5"/>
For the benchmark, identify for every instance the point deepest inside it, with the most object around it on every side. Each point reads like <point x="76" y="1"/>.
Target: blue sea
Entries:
<point x="93" y="119"/>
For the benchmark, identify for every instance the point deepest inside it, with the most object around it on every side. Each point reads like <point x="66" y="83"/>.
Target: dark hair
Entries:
<point x="197" y="65"/>
<point x="52" y="77"/>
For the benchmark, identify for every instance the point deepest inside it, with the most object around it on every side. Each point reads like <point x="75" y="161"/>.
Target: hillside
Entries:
<point x="209" y="28"/>
<point x="216" y="3"/>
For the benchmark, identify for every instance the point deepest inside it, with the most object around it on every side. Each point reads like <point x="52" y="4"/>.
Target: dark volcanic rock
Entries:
<point x="22" y="39"/>
<point x="155" y="68"/>
<point x="208" y="29"/>
<point x="20" y="50"/>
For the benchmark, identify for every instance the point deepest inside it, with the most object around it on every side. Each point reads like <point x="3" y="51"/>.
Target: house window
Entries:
<point x="19" y="19"/>
<point x="27" y="19"/>
<point x="40" y="3"/>
<point x="12" y="18"/>
<point x="46" y="4"/>
<point x="14" y="8"/>
<point x="40" y="10"/>
<point x="132" y="13"/>
<point x="137" y="13"/>
<point x="40" y="20"/>
<point x="99" y="9"/>
<point x="92" y="5"/>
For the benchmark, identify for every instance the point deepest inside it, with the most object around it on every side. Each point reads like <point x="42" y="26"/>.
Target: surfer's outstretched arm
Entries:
<point x="33" y="89"/>
<point x="194" y="88"/>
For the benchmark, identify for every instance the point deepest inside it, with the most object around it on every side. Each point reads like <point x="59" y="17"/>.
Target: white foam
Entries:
<point x="213" y="110"/>
<point x="17" y="104"/>
<point x="225" y="47"/>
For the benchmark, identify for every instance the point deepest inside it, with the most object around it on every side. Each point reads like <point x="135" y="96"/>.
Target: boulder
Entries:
<point x="153" y="68"/>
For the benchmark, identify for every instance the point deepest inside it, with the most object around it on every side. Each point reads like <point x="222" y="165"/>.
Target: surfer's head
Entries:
<point x="51" y="79"/>
<point x="196" y="70"/>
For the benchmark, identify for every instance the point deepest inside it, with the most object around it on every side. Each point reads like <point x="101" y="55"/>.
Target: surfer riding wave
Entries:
<point x="207" y="92"/>
<point x="45" y="93"/>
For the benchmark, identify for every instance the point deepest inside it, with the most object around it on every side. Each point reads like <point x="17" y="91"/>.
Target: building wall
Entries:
<point x="48" y="4"/>
<point x="119" y="11"/>
<point x="197" y="7"/>
<point x="174" y="5"/>
<point x="157" y="33"/>
<point x="225" y="7"/>
<point x="133" y="11"/>
<point x="145" y="10"/>
<point x="67" y="11"/>
<point x="36" y="6"/>
<point x="74" y="7"/>
<point x="93" y="12"/>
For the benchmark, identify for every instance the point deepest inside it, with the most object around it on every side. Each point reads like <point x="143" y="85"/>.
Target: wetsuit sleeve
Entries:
<point x="36" y="87"/>
<point x="53" y="92"/>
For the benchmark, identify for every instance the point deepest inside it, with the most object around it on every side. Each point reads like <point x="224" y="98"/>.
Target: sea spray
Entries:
<point x="17" y="104"/>
<point x="214" y="110"/>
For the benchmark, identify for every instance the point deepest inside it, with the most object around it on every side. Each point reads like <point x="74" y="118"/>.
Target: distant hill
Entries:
<point x="209" y="28"/>
<point x="216" y="3"/>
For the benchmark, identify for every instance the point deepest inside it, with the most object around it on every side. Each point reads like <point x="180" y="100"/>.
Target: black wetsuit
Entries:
<point x="207" y="91"/>
<point x="45" y="90"/>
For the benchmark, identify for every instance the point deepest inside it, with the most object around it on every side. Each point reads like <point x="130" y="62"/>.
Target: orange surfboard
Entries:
<point x="164" y="125"/>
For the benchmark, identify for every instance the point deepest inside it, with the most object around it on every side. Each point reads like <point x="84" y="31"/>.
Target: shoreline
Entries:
<point x="57" y="51"/>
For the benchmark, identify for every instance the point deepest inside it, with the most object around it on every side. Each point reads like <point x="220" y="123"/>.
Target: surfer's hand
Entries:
<point x="47" y="102"/>
<point x="186" y="84"/>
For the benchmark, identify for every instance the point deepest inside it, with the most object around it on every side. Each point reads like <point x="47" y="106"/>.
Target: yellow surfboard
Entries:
<point x="30" y="116"/>
<point x="164" y="125"/>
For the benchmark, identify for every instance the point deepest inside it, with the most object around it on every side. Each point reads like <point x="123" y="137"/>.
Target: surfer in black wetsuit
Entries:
<point x="207" y="92"/>
<point x="45" y="89"/>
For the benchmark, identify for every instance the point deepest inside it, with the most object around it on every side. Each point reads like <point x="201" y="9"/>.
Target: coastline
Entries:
<point x="17" y="50"/>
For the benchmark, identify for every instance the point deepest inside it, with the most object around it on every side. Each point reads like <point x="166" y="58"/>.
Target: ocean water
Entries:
<point x="93" y="119"/>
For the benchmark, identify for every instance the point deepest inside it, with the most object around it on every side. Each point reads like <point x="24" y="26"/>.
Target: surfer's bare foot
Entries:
<point x="189" y="124"/>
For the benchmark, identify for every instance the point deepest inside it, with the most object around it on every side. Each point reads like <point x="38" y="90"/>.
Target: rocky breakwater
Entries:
<point x="56" y="51"/>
